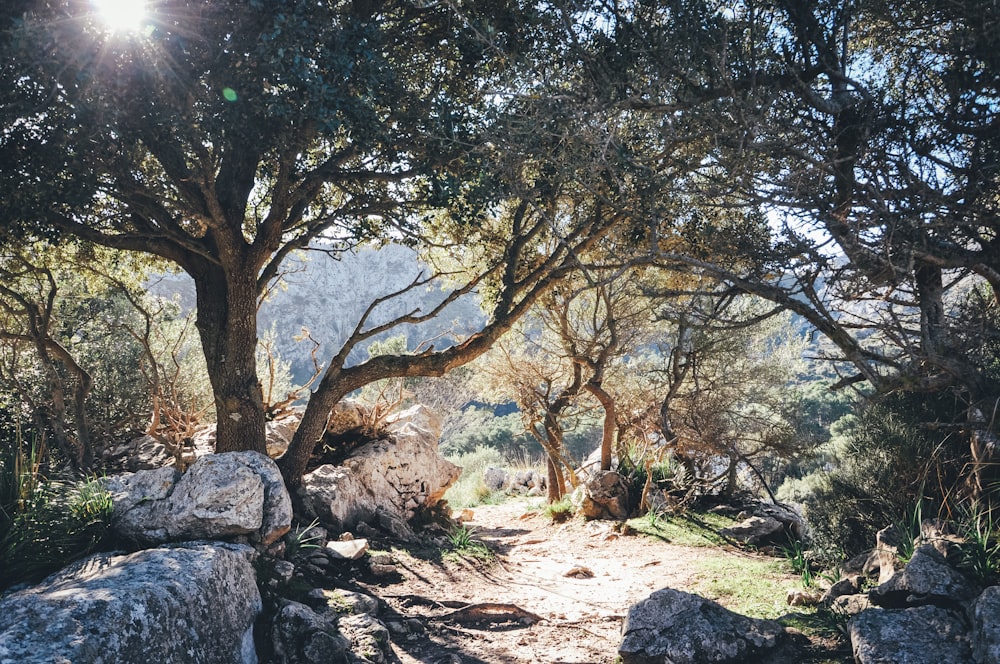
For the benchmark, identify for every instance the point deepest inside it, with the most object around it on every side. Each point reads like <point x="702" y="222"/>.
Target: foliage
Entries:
<point x="560" y="511"/>
<point x="979" y="553"/>
<point x="302" y="538"/>
<point x="470" y="490"/>
<point x="58" y="523"/>
<point x="463" y="543"/>
<point x="744" y="585"/>
<point x="795" y="554"/>
<point x="479" y="426"/>
<point x="895" y="453"/>
<point x="689" y="528"/>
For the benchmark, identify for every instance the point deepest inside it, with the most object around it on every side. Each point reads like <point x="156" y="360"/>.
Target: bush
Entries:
<point x="470" y="489"/>
<point x="45" y="524"/>
<point x="888" y="460"/>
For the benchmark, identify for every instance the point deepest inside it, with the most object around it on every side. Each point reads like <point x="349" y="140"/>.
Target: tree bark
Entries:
<point x="227" y="324"/>
<point x="610" y="417"/>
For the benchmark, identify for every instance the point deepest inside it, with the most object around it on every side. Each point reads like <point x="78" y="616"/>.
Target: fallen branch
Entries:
<point x="492" y="612"/>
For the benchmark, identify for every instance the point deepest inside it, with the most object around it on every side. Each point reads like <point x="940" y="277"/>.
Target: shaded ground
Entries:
<point x="556" y="593"/>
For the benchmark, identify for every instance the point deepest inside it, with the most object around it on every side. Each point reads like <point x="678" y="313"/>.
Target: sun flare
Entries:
<point x="121" y="15"/>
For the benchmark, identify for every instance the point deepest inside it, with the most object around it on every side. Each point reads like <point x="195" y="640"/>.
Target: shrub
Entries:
<point x="52" y="524"/>
<point x="470" y="490"/>
<point x="888" y="460"/>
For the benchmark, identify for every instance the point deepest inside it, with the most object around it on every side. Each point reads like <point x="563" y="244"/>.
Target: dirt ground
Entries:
<point x="557" y="593"/>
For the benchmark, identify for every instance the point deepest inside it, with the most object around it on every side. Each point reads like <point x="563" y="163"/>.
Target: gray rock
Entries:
<point x="887" y="544"/>
<point x="986" y="626"/>
<point x="349" y="550"/>
<point x="369" y="637"/>
<point x="302" y="636"/>
<point x="384" y="482"/>
<point x="850" y="605"/>
<point x="680" y="628"/>
<point x="847" y="586"/>
<point x="221" y="495"/>
<point x="336" y="602"/>
<point x="605" y="496"/>
<point x="754" y="529"/>
<point x="789" y="519"/>
<point x="495" y="479"/>
<point x="926" y="579"/>
<point x="919" y="635"/>
<point x="194" y="602"/>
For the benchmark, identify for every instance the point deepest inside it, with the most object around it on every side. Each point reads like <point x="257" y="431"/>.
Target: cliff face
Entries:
<point x="328" y="297"/>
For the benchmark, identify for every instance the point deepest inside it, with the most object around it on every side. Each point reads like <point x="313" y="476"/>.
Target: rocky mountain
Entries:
<point x="327" y="296"/>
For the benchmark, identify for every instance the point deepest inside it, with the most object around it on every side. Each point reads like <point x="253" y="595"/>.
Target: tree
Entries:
<point x="225" y="136"/>
<point x="865" y="136"/>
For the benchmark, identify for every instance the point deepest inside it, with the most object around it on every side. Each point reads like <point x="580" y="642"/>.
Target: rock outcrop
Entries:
<point x="604" y="496"/>
<point x="673" y="626"/>
<point x="926" y="611"/>
<point x="220" y="496"/>
<point x="383" y="483"/>
<point x="918" y="635"/>
<point x="186" y="604"/>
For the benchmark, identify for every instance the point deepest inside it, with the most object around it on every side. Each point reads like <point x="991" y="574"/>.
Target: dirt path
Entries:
<point x="574" y="582"/>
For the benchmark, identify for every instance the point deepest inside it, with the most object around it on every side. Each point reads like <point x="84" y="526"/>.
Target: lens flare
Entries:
<point x="121" y="15"/>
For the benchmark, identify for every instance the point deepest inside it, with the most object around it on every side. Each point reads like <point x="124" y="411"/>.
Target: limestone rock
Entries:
<point x="369" y="637"/>
<point x="193" y="603"/>
<point x="495" y="479"/>
<point x="887" y="543"/>
<point x="603" y="497"/>
<point x="673" y="626"/>
<point x="383" y="482"/>
<point x="986" y="626"/>
<point x="221" y="495"/>
<point x="919" y="635"/>
<point x="337" y="602"/>
<point x="302" y="636"/>
<point x="926" y="579"/>
<point x="754" y="529"/>
<point x="347" y="550"/>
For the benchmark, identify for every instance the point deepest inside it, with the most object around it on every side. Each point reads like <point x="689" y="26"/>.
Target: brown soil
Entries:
<point x="555" y="593"/>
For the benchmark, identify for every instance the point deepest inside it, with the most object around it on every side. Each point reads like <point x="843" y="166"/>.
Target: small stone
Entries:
<point x="383" y="570"/>
<point x="580" y="572"/>
<point x="349" y="550"/>
<point x="796" y="597"/>
<point x="346" y="537"/>
<point x="466" y="516"/>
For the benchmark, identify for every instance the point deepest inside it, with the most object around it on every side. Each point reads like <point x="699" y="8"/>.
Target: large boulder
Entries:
<point x="221" y="495"/>
<point x="753" y="530"/>
<point x="605" y="496"/>
<point x="918" y="635"/>
<point x="187" y="604"/>
<point x="926" y="579"/>
<point x="302" y="636"/>
<point x="986" y="626"/>
<point x="383" y="482"/>
<point x="677" y="627"/>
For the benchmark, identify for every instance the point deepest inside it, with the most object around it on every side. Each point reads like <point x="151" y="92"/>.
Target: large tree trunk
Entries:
<point x="227" y="324"/>
<point x="610" y="417"/>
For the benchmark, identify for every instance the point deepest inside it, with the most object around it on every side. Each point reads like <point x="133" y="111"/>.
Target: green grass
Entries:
<point x="469" y="490"/>
<point x="689" y="529"/>
<point x="58" y="523"/>
<point x="561" y="511"/>
<point x="464" y="544"/>
<point x="749" y="586"/>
